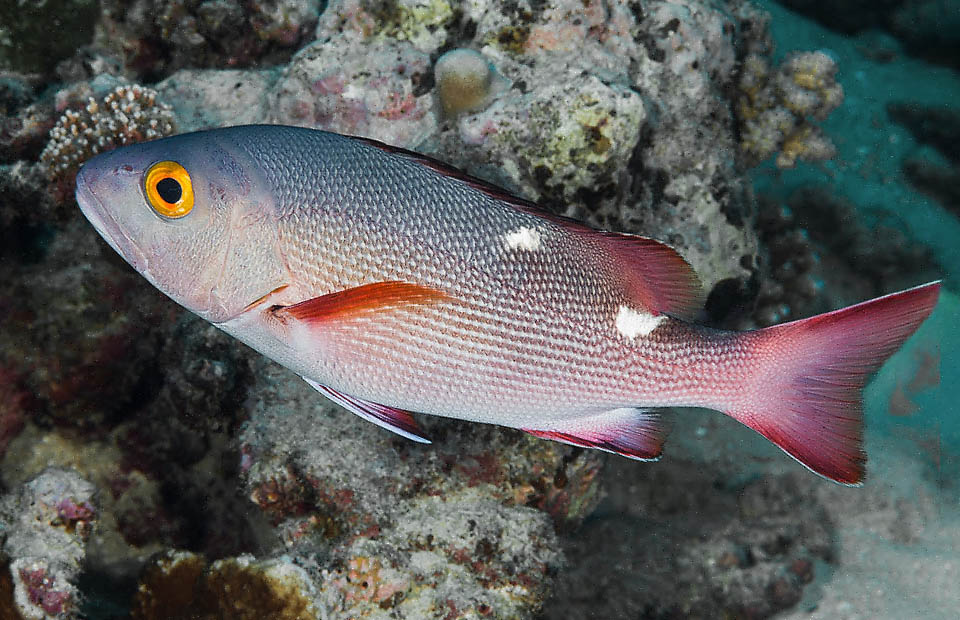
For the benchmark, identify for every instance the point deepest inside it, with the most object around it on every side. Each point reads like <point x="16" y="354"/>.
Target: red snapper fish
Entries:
<point x="393" y="283"/>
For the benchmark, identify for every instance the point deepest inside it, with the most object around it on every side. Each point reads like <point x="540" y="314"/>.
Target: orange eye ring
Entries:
<point x="169" y="189"/>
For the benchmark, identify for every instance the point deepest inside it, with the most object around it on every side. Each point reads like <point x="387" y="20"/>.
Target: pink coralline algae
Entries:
<point x="401" y="106"/>
<point x="374" y="88"/>
<point x="74" y="515"/>
<point x="42" y="592"/>
<point x="44" y="525"/>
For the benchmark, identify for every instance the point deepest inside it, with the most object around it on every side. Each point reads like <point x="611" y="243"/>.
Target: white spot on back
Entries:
<point x="632" y="323"/>
<point x="523" y="238"/>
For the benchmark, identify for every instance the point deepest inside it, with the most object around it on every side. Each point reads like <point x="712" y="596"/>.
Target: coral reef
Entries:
<point x="775" y="108"/>
<point x="183" y="438"/>
<point x="608" y="119"/>
<point x="938" y="126"/>
<point x="23" y="123"/>
<point x="133" y="402"/>
<point x="689" y="547"/>
<point x="425" y="24"/>
<point x="14" y="403"/>
<point x="789" y="287"/>
<point x="182" y="584"/>
<point x="154" y="39"/>
<point x="822" y="254"/>
<point x="211" y="98"/>
<point x="939" y="182"/>
<point x="616" y="113"/>
<point x="459" y="528"/>
<point x="107" y="314"/>
<point x="609" y="116"/>
<point x="24" y="202"/>
<point x="860" y="256"/>
<point x="370" y="88"/>
<point x="45" y="525"/>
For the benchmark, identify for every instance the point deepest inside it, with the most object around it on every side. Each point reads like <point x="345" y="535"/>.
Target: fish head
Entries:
<point x="189" y="214"/>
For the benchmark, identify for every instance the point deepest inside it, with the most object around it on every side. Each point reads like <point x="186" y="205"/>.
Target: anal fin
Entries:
<point x="390" y="418"/>
<point x="634" y="433"/>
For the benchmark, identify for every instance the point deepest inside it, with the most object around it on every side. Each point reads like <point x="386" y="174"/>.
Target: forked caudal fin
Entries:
<point x="808" y="399"/>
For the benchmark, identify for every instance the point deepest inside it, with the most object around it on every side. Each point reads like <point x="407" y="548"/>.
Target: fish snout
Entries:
<point x="89" y="183"/>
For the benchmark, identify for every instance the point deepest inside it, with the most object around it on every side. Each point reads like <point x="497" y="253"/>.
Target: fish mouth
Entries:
<point x="108" y="228"/>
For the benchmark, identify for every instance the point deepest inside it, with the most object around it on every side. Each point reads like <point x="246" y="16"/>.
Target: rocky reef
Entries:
<point x="153" y="466"/>
<point x="47" y="522"/>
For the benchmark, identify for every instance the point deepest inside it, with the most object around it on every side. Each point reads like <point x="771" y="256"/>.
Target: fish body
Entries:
<point x="393" y="283"/>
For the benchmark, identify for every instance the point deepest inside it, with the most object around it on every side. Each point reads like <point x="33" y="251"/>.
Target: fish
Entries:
<point x="395" y="284"/>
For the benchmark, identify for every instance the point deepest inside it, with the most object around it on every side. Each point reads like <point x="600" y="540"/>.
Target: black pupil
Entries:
<point x="169" y="189"/>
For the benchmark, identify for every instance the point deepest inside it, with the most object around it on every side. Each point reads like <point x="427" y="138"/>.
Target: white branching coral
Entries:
<point x="129" y="114"/>
<point x="776" y="109"/>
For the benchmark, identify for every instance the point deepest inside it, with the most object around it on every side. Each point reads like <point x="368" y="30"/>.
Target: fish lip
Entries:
<point x="103" y="222"/>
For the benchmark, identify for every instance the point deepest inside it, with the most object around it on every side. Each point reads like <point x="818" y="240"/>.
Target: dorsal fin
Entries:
<point x="657" y="276"/>
<point x="497" y="193"/>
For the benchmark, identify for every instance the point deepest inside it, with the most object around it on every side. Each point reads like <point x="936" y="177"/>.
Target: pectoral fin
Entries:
<point x="358" y="301"/>
<point x="390" y="418"/>
<point x="634" y="433"/>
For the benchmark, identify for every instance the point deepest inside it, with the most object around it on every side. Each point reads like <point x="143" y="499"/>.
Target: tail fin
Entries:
<point x="809" y="399"/>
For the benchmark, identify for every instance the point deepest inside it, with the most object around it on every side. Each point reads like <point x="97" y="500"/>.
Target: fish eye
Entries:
<point x="169" y="189"/>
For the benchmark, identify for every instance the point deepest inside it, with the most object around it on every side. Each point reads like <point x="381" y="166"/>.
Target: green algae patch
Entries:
<point x="416" y="23"/>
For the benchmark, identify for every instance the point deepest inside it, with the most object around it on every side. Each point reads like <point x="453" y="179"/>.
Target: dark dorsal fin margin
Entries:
<point x="497" y="193"/>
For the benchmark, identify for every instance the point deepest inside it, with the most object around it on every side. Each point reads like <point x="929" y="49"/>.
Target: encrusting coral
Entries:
<point x="775" y="108"/>
<point x="180" y="584"/>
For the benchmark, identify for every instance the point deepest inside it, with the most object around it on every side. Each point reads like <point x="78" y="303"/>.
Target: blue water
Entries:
<point x="867" y="172"/>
